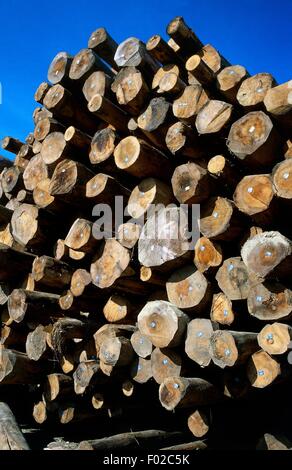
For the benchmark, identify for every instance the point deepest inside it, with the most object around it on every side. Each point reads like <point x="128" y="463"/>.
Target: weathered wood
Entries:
<point x="32" y="305"/>
<point x="81" y="237"/>
<point x="103" y="189"/>
<point x="188" y="105"/>
<point x="163" y="323"/>
<point x="111" y="261"/>
<point x="84" y="374"/>
<point x="198" y="423"/>
<point x="102" y="147"/>
<point x="224" y="171"/>
<point x="254" y="140"/>
<point x="272" y="442"/>
<point x="191" y="183"/>
<point x="84" y="63"/>
<point x="59" y="68"/>
<point x="98" y="83"/>
<point x="128" y="234"/>
<point x="131" y="90"/>
<point x="182" y="140"/>
<point x="214" y="118"/>
<point x="220" y="219"/>
<point x="11" y="180"/>
<point x="11" y="437"/>
<point x="187" y="392"/>
<point x="141" y="370"/>
<point x="262" y="369"/>
<point x="41" y="92"/>
<point x="141" y="344"/>
<point x="199" y="332"/>
<point x="281" y="177"/>
<point x="146" y="194"/>
<point x="133" y="53"/>
<point x="213" y="58"/>
<point x="277" y="101"/>
<point x="116" y="352"/>
<point x="35" y="171"/>
<point x="119" y="309"/>
<point x="221" y="309"/>
<point x="207" y="255"/>
<point x="171" y="85"/>
<point x="36" y="345"/>
<point x="69" y="181"/>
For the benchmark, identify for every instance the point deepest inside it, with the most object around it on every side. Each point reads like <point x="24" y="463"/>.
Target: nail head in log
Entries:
<point x="104" y="45"/>
<point x="188" y="105"/>
<point x="266" y="252"/>
<point x="182" y="140"/>
<point x="221" y="310"/>
<point x="11" y="145"/>
<point x="59" y="69"/>
<point x="109" y="264"/>
<point x="253" y="196"/>
<point x="191" y="183"/>
<point x="253" y="90"/>
<point x="163" y="323"/>
<point x="149" y="191"/>
<point x="220" y="219"/>
<point x="11" y="437"/>
<point x="140" y="159"/>
<point x="229" y="81"/>
<point x="214" y="117"/>
<point x="275" y="338"/>
<point x="198" y="423"/>
<point x="133" y="52"/>
<point x="269" y="301"/>
<point x="163" y="239"/>
<point x="188" y="289"/>
<point x="262" y="369"/>
<point x="199" y="332"/>
<point x="282" y="179"/>
<point x="254" y="140"/>
<point x="187" y="392"/>
<point x="233" y="279"/>
<point x="208" y="254"/>
<point x="228" y="348"/>
<point x="165" y="363"/>
<point x="182" y="34"/>
<point x="141" y="344"/>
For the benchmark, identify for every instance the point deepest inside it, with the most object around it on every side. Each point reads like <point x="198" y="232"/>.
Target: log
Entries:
<point x="58" y="72"/>
<point x="187" y="392"/>
<point x="140" y="159"/>
<point x="214" y="118"/>
<point x="11" y="180"/>
<point x="69" y="181"/>
<point x="103" y="108"/>
<point x="83" y="375"/>
<point x="268" y="253"/>
<point x="128" y="235"/>
<point x="187" y="446"/>
<point x="33" y="306"/>
<point x="277" y="102"/>
<point x="109" y="263"/>
<point x="213" y="58"/>
<point x="228" y="348"/>
<point x="11" y="145"/>
<point x="181" y="140"/>
<point x="41" y="91"/>
<point x="103" y="45"/>
<point x="281" y="177"/>
<point x="198" y="68"/>
<point x="198" y="423"/>
<point x="47" y="126"/>
<point x="189" y="289"/>
<point x="161" y="72"/>
<point x="221" y="309"/>
<point x="187" y="106"/>
<point x="182" y="34"/>
<point x="155" y="117"/>
<point x="162" y="52"/>
<point x="119" y="309"/>
<point x="229" y="80"/>
<point x="37" y="147"/>
<point x="199" y="332"/>
<point x="262" y="369"/>
<point x="57" y="386"/>
<point x="63" y="105"/>
<point x="269" y="301"/>
<point x="165" y="363"/>
<point x="220" y="219"/>
<point x="275" y="338"/>
<point x="163" y="323"/>
<point x="11" y="435"/>
<point x="253" y="90"/>
<point x="171" y="85"/>
<point x="17" y="368"/>
<point x="80" y="282"/>
<point x="226" y="172"/>
<point x="133" y="53"/>
<point x="43" y="199"/>
<point x="233" y="279"/>
<point x="98" y="83"/>
<point x="78" y="139"/>
<point x="102" y="189"/>
<point x="35" y="171"/>
<point x="81" y="237"/>
<point x="41" y="113"/>
<point x="116" y="352"/>
<point x="207" y="255"/>
<point x="141" y="344"/>
<point x="103" y="144"/>
<point x="131" y="90"/>
<point x="51" y="273"/>
<point x="254" y="196"/>
<point x="254" y="140"/>
<point x="84" y="63"/>
<point x="271" y="442"/>
<point x="191" y="183"/>
<point x="40" y="412"/>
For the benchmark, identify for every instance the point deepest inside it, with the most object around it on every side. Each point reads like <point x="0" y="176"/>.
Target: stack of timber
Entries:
<point x="138" y="322"/>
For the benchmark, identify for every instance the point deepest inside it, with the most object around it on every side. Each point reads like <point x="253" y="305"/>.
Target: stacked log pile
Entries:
<point x="99" y="322"/>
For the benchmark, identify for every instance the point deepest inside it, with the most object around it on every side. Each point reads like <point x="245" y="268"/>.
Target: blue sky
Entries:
<point x="256" y="34"/>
